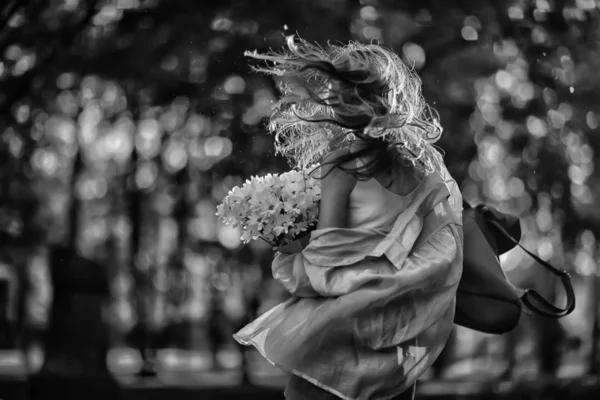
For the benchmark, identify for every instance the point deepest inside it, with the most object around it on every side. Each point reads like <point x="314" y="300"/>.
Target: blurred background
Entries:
<point x="123" y="123"/>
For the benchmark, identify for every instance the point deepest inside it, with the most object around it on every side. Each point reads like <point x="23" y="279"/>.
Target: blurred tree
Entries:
<point x="35" y="40"/>
<point x="157" y="95"/>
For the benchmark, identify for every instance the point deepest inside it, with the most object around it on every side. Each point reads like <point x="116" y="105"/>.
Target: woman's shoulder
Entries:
<point x="334" y="164"/>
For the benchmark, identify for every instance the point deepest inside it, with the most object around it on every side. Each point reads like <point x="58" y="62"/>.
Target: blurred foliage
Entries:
<point x="124" y="122"/>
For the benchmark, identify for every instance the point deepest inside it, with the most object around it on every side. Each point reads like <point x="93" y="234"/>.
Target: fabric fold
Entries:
<point x="367" y="303"/>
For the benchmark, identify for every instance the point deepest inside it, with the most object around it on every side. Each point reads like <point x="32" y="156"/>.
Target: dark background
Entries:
<point x="123" y="123"/>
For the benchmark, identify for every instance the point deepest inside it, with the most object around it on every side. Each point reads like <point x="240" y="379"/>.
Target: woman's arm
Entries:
<point x="336" y="186"/>
<point x="419" y="295"/>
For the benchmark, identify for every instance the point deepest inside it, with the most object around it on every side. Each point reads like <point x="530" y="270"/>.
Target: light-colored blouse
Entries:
<point x="372" y="206"/>
<point x="373" y="304"/>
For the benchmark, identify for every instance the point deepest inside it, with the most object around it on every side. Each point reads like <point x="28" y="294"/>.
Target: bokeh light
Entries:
<point x="124" y="125"/>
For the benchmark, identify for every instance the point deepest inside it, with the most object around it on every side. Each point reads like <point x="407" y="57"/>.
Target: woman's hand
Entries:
<point x="294" y="247"/>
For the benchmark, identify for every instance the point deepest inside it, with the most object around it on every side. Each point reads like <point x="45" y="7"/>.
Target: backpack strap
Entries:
<point x="532" y="299"/>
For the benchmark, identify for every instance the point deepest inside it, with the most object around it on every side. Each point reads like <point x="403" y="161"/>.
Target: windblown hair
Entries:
<point x="334" y="95"/>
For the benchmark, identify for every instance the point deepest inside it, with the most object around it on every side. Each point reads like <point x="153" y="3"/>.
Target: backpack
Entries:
<point x="486" y="300"/>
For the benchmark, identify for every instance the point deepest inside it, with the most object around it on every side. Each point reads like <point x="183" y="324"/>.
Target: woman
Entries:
<point x="373" y="290"/>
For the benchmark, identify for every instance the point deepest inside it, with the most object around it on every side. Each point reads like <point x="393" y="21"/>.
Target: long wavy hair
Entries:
<point x="335" y="95"/>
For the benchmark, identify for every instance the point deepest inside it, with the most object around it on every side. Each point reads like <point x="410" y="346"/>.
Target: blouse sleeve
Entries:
<point x="418" y="296"/>
<point x="424" y="264"/>
<point x="437" y="255"/>
<point x="289" y="269"/>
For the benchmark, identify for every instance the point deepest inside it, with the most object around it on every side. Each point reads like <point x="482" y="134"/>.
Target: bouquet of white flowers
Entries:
<point x="275" y="208"/>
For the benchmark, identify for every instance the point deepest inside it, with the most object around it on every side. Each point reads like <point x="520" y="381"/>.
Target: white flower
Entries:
<point x="275" y="208"/>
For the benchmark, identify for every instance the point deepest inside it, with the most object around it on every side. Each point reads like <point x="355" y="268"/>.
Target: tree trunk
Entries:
<point x="594" y="366"/>
<point x="76" y="340"/>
